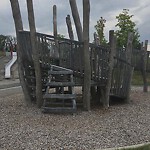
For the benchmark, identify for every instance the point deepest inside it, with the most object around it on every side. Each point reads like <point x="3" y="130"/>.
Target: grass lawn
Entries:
<point x="1" y="53"/>
<point x="146" y="147"/>
<point x="137" y="78"/>
<point x="138" y="147"/>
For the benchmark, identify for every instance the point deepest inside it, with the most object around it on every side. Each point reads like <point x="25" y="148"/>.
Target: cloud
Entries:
<point x="108" y="9"/>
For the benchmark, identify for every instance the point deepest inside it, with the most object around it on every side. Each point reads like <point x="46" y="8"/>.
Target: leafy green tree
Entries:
<point x="60" y="36"/>
<point x="100" y="30"/>
<point x="125" y="25"/>
<point x="2" y="42"/>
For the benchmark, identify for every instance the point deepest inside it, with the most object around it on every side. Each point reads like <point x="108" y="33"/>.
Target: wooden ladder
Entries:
<point x="59" y="96"/>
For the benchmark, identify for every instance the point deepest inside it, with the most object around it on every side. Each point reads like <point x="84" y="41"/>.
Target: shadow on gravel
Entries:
<point x="116" y="100"/>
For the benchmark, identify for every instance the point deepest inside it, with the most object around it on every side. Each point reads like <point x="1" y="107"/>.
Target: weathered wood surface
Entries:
<point x="19" y="26"/>
<point x="122" y="72"/>
<point x="58" y="96"/>
<point x="71" y="57"/>
<point x="86" y="55"/>
<point x="69" y="26"/>
<point x="144" y="69"/>
<point x="112" y="42"/>
<point x="35" y="52"/>
<point x="76" y="18"/>
<point x="128" y="74"/>
<point x="55" y="21"/>
<point x="55" y="32"/>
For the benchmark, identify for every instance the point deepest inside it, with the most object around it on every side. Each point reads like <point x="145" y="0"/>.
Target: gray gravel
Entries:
<point x="23" y="128"/>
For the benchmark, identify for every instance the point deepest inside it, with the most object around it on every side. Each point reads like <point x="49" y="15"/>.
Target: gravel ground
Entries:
<point x="23" y="128"/>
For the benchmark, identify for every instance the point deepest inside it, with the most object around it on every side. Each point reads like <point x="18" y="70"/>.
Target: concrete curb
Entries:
<point x="133" y="147"/>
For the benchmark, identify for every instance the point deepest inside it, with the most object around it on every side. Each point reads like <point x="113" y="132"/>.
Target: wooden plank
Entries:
<point x="60" y="84"/>
<point x="59" y="110"/>
<point x="60" y="72"/>
<point x="60" y="96"/>
<point x="58" y="68"/>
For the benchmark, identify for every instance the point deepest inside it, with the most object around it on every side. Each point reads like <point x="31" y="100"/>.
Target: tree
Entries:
<point x="2" y="42"/>
<point x="100" y="30"/>
<point x="126" y="25"/>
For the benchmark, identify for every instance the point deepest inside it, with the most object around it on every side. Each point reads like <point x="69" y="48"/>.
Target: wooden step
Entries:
<point x="66" y="102"/>
<point x="60" y="72"/>
<point x="58" y="110"/>
<point x="61" y="84"/>
<point x="60" y="96"/>
<point x="65" y="108"/>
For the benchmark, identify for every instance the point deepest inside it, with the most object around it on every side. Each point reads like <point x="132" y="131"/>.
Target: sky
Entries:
<point x="107" y="9"/>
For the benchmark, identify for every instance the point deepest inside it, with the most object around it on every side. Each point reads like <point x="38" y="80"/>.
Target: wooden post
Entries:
<point x="55" y="21"/>
<point x="69" y="26"/>
<point x="112" y="42"/>
<point x="19" y="26"/>
<point x="96" y="39"/>
<point x="94" y="88"/>
<point x="128" y="59"/>
<point x="129" y="47"/>
<point x="76" y="18"/>
<point x="56" y="53"/>
<point x="87" y="67"/>
<point x="144" y="60"/>
<point x="35" y="52"/>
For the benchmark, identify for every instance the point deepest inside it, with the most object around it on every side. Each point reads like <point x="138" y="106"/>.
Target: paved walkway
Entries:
<point x="7" y="83"/>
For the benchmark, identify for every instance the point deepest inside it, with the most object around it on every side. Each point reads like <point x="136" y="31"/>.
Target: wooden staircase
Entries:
<point x="59" y="96"/>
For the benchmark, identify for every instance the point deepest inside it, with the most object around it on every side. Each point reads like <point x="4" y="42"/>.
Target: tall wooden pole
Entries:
<point x="128" y="59"/>
<point x="56" y="53"/>
<point x="144" y="60"/>
<point x="19" y="26"/>
<point x="86" y="52"/>
<point x="69" y="26"/>
<point x="55" y="21"/>
<point x="112" y="42"/>
<point x="76" y="18"/>
<point x="35" y="52"/>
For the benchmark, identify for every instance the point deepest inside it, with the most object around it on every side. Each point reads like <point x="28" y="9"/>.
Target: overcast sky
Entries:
<point x="108" y="9"/>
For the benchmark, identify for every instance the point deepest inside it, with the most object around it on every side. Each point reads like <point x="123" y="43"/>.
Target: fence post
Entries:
<point x="143" y="69"/>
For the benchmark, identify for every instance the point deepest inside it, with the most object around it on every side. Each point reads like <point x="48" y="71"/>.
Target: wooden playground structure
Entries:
<point x="62" y="69"/>
<point x="51" y="67"/>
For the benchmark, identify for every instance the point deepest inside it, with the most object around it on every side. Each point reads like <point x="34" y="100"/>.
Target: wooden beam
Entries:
<point x="76" y="18"/>
<point x="56" y="53"/>
<point x="144" y="61"/>
<point x="19" y="26"/>
<point x="86" y="52"/>
<point x="128" y="59"/>
<point x="35" y="52"/>
<point x="55" y="21"/>
<point x="69" y="26"/>
<point x="112" y="42"/>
